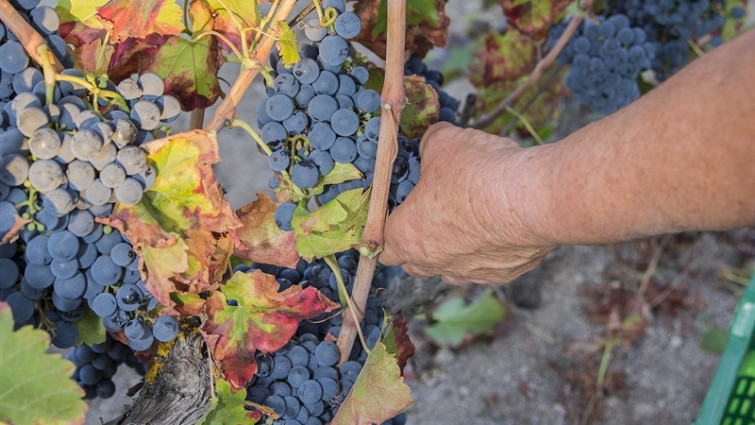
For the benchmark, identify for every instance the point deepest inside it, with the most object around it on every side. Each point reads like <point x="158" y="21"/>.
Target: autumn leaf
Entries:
<point x="334" y="227"/>
<point x="93" y="57"/>
<point x="229" y="15"/>
<point x="533" y="16"/>
<point x="260" y="239"/>
<point x="378" y="394"/>
<point x="189" y="69"/>
<point x="539" y="105"/>
<point x="188" y="304"/>
<point x="502" y="58"/>
<point x="422" y="107"/>
<point x="182" y="225"/>
<point x="139" y="18"/>
<point x="398" y="343"/>
<point x="426" y="25"/>
<point x="132" y="55"/>
<point x="79" y="22"/>
<point x="261" y="319"/>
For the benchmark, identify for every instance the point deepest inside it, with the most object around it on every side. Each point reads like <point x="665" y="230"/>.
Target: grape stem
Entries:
<point x="227" y="108"/>
<point x="95" y="90"/>
<point x="542" y="65"/>
<point x="26" y="34"/>
<point x="343" y="295"/>
<point x="393" y="99"/>
<point x="196" y="119"/>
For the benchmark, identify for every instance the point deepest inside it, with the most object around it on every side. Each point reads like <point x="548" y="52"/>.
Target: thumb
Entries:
<point x="390" y="255"/>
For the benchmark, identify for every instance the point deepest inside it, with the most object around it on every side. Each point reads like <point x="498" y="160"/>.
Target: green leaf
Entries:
<point x="339" y="174"/>
<point x="458" y="321"/>
<point x="379" y="392"/>
<point x="714" y="340"/>
<point x="91" y="329"/>
<point x="228" y="408"/>
<point x="334" y="227"/>
<point x="288" y="45"/>
<point x="733" y="27"/>
<point x="190" y="70"/>
<point x="417" y="12"/>
<point x="35" y="387"/>
<point x="422" y="107"/>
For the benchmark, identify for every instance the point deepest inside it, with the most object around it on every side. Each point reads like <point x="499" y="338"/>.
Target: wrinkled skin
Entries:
<point x="451" y="224"/>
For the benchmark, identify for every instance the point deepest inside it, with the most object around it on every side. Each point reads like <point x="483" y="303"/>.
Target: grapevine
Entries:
<point x="117" y="240"/>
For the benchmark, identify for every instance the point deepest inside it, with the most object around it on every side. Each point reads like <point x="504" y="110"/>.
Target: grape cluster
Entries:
<point x="301" y="382"/>
<point x="605" y="59"/>
<point x="318" y="114"/>
<point x="68" y="166"/>
<point x="669" y="24"/>
<point x="448" y="104"/>
<point x="16" y="70"/>
<point x="96" y="364"/>
<point x="64" y="163"/>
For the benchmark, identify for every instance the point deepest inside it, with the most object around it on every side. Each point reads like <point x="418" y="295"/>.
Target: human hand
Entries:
<point x="461" y="221"/>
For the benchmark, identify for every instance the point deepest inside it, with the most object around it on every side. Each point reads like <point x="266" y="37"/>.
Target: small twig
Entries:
<point x="26" y="34"/>
<point x="652" y="266"/>
<point x="393" y="99"/>
<point x="542" y="88"/>
<point x="227" y="108"/>
<point x="196" y="119"/>
<point x="672" y="286"/>
<point x="526" y="123"/>
<point x="249" y="130"/>
<point x="299" y="16"/>
<point x="540" y="68"/>
<point x="605" y="360"/>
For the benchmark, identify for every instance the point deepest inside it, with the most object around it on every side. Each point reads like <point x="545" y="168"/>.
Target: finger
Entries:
<point x="431" y="132"/>
<point x="390" y="255"/>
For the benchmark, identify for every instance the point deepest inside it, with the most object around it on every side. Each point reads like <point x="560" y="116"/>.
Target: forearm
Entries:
<point x="681" y="158"/>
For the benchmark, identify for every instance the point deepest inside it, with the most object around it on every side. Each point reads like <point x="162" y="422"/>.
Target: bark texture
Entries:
<point x="180" y="393"/>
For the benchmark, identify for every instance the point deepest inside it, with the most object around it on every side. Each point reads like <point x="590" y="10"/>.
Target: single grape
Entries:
<point x="165" y="328"/>
<point x="348" y="25"/>
<point x="14" y="170"/>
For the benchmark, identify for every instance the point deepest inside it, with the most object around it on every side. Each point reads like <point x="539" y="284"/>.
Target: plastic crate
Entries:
<point x="731" y="396"/>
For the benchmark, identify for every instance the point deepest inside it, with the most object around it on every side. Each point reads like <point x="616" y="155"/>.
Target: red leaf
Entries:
<point x="397" y="341"/>
<point x="260" y="239"/>
<point x="263" y="320"/>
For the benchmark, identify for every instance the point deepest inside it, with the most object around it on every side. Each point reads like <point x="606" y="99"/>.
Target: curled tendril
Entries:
<point x="329" y="17"/>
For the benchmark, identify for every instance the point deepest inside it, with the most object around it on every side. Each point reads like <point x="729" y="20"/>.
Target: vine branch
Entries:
<point x="227" y="108"/>
<point x="540" y="68"/>
<point x="27" y="35"/>
<point x="393" y="99"/>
